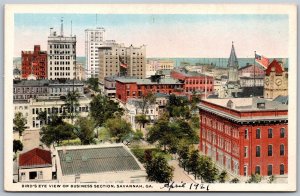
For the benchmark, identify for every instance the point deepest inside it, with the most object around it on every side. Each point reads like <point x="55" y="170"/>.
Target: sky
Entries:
<point x="165" y="35"/>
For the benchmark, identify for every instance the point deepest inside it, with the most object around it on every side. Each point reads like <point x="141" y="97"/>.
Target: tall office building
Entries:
<point x="93" y="39"/>
<point x="118" y="60"/>
<point x="61" y="55"/>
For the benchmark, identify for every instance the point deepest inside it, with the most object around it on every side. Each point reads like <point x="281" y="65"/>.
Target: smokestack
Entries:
<point x="62" y="27"/>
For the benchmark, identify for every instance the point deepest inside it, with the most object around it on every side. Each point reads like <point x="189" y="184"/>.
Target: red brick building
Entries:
<point x="248" y="71"/>
<point x="135" y="88"/>
<point x="245" y="135"/>
<point x="34" y="62"/>
<point x="194" y="81"/>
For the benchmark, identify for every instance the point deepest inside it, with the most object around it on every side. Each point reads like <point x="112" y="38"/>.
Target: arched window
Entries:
<point x="257" y="170"/>
<point x="281" y="169"/>
<point x="282" y="132"/>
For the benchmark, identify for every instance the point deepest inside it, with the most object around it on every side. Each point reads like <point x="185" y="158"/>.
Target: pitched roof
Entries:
<point x="96" y="160"/>
<point x="276" y="66"/>
<point x="232" y="61"/>
<point x="282" y="99"/>
<point x="35" y="158"/>
<point x="250" y="65"/>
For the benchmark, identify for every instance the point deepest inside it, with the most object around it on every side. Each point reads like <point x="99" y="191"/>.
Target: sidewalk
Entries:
<point x="179" y="174"/>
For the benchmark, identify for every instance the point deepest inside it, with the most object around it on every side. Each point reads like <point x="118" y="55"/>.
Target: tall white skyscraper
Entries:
<point x="93" y="39"/>
<point x="61" y="55"/>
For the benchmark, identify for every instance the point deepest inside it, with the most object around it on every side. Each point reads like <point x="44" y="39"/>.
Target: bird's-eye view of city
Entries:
<point x="150" y="98"/>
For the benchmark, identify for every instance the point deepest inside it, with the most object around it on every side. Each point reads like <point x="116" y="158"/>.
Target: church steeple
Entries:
<point x="232" y="61"/>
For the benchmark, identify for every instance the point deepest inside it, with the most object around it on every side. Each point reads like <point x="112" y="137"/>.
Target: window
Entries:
<point x="246" y="134"/>
<point x="245" y="170"/>
<point x="270" y="168"/>
<point x="257" y="170"/>
<point x="270" y="133"/>
<point x="23" y="175"/>
<point x="245" y="151"/>
<point x="258" y="133"/>
<point x="281" y="169"/>
<point x="270" y="150"/>
<point x="282" y="132"/>
<point x="257" y="151"/>
<point x="281" y="149"/>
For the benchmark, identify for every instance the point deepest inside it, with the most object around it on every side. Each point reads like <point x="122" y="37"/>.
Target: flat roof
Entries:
<point x="148" y="81"/>
<point x="46" y="82"/>
<point x="248" y="104"/>
<point x="96" y="159"/>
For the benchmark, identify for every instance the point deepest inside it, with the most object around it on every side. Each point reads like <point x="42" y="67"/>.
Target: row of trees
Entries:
<point x="200" y="166"/>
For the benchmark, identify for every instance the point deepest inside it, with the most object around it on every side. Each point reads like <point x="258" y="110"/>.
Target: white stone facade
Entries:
<point x="61" y="57"/>
<point x="93" y="39"/>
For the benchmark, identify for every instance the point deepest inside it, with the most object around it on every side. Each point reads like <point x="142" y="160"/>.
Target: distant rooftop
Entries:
<point x="189" y="73"/>
<point x="148" y="81"/>
<point x="96" y="159"/>
<point x="45" y="82"/>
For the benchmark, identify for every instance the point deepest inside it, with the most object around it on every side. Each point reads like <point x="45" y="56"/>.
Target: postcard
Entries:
<point x="150" y="97"/>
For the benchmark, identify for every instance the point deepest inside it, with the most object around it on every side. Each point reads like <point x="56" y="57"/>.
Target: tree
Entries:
<point x="222" y="177"/>
<point x="138" y="135"/>
<point x="207" y="170"/>
<point x="235" y="180"/>
<point x="254" y="178"/>
<point x="71" y="105"/>
<point x="169" y="134"/>
<point x="93" y="84"/>
<point x="193" y="163"/>
<point x="118" y="128"/>
<point x="56" y="131"/>
<point x="183" y="153"/>
<point x="271" y="179"/>
<point x="161" y="132"/>
<point x="142" y="120"/>
<point x="17" y="146"/>
<point x="84" y="130"/>
<point x="19" y="123"/>
<point x="147" y="99"/>
<point x="102" y="109"/>
<point x="178" y="107"/>
<point x="195" y="100"/>
<point x="158" y="170"/>
<point x="42" y="116"/>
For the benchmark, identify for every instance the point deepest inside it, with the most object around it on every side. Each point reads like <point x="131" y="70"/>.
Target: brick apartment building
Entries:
<point x="34" y="62"/>
<point x="245" y="135"/>
<point x="135" y="88"/>
<point x="194" y="82"/>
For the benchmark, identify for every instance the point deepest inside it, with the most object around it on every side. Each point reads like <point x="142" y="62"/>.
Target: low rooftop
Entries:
<point x="35" y="158"/>
<point x="96" y="159"/>
<point x="46" y="82"/>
